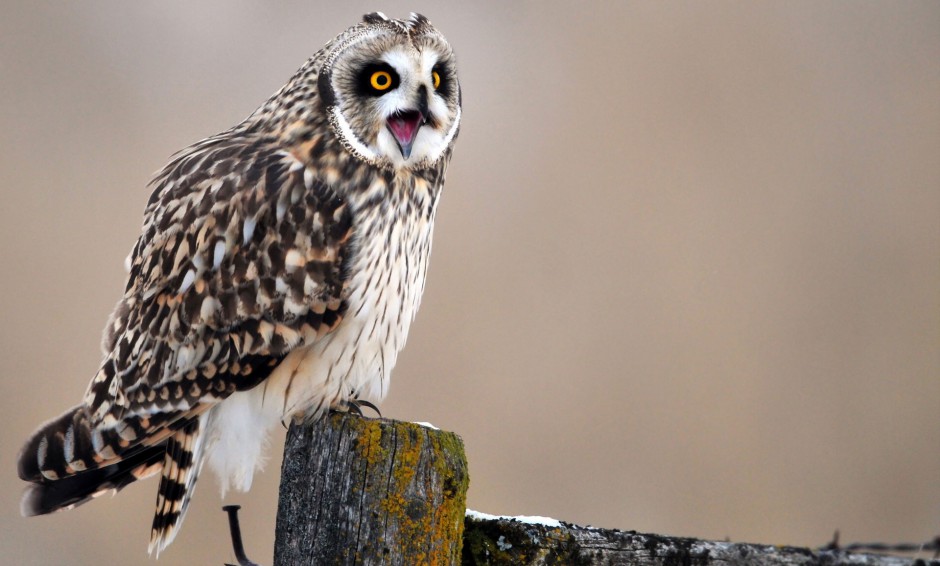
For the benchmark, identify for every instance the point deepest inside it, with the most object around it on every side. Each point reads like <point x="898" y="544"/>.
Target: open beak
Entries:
<point x="404" y="125"/>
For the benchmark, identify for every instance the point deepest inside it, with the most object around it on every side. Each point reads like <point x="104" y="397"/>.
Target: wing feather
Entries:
<point x="242" y="258"/>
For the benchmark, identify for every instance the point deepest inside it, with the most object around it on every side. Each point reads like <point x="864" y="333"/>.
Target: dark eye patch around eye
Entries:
<point x="441" y="70"/>
<point x="364" y="79"/>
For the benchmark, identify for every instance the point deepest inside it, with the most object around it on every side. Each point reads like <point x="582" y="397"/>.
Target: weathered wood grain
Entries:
<point x="370" y="491"/>
<point x="507" y="542"/>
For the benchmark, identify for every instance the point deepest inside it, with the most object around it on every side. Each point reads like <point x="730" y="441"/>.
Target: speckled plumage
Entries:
<point x="279" y="267"/>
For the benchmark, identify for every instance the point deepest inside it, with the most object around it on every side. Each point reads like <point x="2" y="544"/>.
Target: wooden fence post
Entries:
<point x="370" y="491"/>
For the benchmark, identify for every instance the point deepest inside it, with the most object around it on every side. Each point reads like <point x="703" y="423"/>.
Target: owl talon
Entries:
<point x="359" y="403"/>
<point x="354" y="406"/>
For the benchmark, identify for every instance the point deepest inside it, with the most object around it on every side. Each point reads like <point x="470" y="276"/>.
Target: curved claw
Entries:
<point x="359" y="403"/>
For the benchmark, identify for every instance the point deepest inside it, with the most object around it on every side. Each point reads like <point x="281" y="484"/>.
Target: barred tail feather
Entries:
<point x="74" y="443"/>
<point x="62" y="447"/>
<point x="181" y="465"/>
<point x="69" y="461"/>
<point x="48" y="496"/>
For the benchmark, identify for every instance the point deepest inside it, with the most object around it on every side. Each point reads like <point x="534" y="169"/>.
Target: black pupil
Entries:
<point x="381" y="79"/>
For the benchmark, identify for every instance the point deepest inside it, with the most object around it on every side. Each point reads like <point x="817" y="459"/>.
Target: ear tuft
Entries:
<point x="418" y="23"/>
<point x="374" y="18"/>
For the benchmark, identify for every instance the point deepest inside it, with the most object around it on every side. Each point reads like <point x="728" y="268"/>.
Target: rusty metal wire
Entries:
<point x="236" y="531"/>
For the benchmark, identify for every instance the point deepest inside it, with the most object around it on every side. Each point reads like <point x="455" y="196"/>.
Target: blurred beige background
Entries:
<point x="686" y="273"/>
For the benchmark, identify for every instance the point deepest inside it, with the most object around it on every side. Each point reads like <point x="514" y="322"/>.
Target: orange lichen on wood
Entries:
<point x="357" y="490"/>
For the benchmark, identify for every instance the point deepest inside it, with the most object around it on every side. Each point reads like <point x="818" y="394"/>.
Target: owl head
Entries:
<point x="390" y="90"/>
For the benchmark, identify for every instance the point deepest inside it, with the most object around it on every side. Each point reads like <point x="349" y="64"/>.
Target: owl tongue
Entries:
<point x="404" y="126"/>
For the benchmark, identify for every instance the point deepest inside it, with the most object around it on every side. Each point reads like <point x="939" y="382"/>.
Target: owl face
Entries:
<point x="390" y="88"/>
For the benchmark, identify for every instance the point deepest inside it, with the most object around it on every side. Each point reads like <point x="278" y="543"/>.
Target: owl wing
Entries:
<point x="242" y="258"/>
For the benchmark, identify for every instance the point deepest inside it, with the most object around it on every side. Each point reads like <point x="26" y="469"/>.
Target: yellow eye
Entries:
<point x="380" y="80"/>
<point x="436" y="78"/>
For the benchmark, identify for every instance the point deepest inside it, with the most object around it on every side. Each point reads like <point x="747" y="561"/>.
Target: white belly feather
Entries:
<point x="354" y="360"/>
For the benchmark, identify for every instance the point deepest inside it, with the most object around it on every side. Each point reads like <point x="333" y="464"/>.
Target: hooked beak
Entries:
<point x="404" y="126"/>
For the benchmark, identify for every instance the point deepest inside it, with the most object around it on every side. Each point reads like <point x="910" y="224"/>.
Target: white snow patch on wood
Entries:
<point x="530" y="519"/>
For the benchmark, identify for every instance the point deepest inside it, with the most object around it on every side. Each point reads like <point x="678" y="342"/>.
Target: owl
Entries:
<point x="279" y="267"/>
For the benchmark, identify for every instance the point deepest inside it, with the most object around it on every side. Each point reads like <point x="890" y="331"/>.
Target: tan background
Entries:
<point x="686" y="274"/>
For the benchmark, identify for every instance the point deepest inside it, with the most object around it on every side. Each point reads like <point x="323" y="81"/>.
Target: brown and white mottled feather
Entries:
<point x="277" y="273"/>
